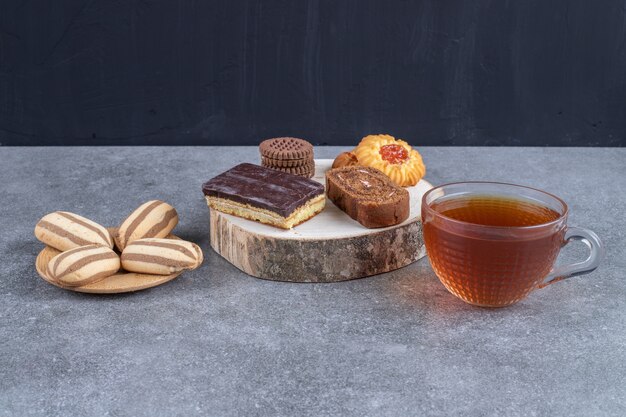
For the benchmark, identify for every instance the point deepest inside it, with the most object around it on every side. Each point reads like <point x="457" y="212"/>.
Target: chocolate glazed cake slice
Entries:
<point x="266" y="195"/>
<point x="368" y="196"/>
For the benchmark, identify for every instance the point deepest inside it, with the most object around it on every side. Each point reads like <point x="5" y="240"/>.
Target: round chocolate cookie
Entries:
<point x="286" y="149"/>
<point x="303" y="171"/>
<point x="285" y="163"/>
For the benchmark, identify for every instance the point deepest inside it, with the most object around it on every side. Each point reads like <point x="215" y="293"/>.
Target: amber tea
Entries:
<point x="491" y="244"/>
<point x="495" y="211"/>
<point x="491" y="269"/>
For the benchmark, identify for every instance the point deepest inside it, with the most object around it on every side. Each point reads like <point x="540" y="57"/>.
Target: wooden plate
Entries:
<point x="119" y="283"/>
<point x="328" y="248"/>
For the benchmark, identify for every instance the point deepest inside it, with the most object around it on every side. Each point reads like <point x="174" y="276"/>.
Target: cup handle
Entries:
<point x="596" y="252"/>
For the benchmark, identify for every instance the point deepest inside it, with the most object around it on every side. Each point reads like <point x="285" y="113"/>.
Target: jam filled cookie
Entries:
<point x="392" y="156"/>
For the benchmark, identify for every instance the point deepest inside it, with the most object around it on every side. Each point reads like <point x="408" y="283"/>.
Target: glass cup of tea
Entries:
<point x="491" y="244"/>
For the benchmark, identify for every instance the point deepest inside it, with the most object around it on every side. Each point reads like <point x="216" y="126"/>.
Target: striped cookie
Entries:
<point x="63" y="231"/>
<point x="152" y="219"/>
<point x="83" y="265"/>
<point x="161" y="256"/>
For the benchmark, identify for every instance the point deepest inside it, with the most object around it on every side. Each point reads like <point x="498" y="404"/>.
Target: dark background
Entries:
<point x="434" y="72"/>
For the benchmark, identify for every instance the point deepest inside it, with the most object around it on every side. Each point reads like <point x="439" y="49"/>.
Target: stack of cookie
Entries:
<point x="291" y="155"/>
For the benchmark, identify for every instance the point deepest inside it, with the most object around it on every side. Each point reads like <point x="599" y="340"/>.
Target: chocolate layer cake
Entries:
<point x="265" y="195"/>
<point x="368" y="196"/>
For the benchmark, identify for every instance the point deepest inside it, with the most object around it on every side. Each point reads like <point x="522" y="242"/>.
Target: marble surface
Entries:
<point x="217" y="342"/>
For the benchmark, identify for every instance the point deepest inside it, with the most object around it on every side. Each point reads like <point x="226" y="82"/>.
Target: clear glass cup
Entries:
<point x="494" y="265"/>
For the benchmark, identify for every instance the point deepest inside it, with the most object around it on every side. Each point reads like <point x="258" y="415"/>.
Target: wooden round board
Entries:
<point x="330" y="247"/>
<point x="119" y="283"/>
